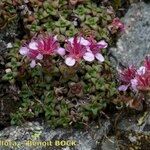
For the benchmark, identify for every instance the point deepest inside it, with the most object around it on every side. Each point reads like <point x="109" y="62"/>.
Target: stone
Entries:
<point x="109" y="143"/>
<point x="135" y="123"/>
<point x="8" y="33"/>
<point x="134" y="44"/>
<point x="34" y="135"/>
<point x="133" y="131"/>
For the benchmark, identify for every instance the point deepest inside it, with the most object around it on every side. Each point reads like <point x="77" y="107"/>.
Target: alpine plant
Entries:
<point x="116" y="25"/>
<point x="136" y="79"/>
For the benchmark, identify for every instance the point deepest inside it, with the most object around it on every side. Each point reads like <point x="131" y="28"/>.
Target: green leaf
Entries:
<point x="8" y="76"/>
<point x="94" y="111"/>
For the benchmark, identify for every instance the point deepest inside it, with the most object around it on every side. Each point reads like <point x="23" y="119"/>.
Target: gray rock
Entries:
<point x="23" y="137"/>
<point x="138" y="123"/>
<point x="109" y="143"/>
<point x="8" y="33"/>
<point x="132" y="132"/>
<point x="134" y="44"/>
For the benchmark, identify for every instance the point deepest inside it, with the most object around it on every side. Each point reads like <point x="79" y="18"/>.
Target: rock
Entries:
<point x="8" y="33"/>
<point x="136" y="123"/>
<point x="131" y="132"/>
<point x="134" y="44"/>
<point x="31" y="133"/>
<point x="109" y="144"/>
<point x="134" y="131"/>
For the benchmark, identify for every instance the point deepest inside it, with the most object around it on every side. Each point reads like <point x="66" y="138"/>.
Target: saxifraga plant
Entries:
<point x="65" y="92"/>
<point x="66" y="80"/>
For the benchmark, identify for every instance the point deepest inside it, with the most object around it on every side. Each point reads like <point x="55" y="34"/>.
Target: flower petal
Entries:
<point x="55" y="38"/>
<point x="88" y="56"/>
<point x="39" y="56"/>
<point x="71" y="40"/>
<point x="134" y="84"/>
<point x="33" y="45"/>
<point x="99" y="57"/>
<point x="70" y="61"/>
<point x="123" y="87"/>
<point x="84" y="41"/>
<point x="88" y="49"/>
<point x="141" y="70"/>
<point x="103" y="43"/>
<point x="32" y="64"/>
<point x="61" y="51"/>
<point x="80" y="40"/>
<point x="23" y="51"/>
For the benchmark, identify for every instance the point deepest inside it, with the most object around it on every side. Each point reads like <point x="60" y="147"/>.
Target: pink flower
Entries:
<point x="94" y="50"/>
<point x="76" y="49"/>
<point x="40" y="46"/>
<point x="116" y="25"/>
<point x="137" y="80"/>
<point x="126" y="77"/>
<point x="31" y="51"/>
<point x="143" y="75"/>
<point x="127" y="74"/>
<point x="49" y="45"/>
<point x="143" y="82"/>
